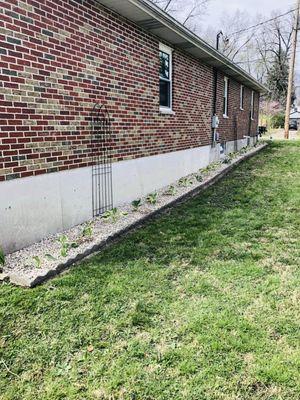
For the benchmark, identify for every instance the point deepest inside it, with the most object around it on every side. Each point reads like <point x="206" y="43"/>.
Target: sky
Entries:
<point x="211" y="20"/>
<point x="253" y="7"/>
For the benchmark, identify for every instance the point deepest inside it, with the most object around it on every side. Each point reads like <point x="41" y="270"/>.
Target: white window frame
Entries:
<point x="242" y="97"/>
<point x="225" y="97"/>
<point x="252" y="106"/>
<point x="168" y="50"/>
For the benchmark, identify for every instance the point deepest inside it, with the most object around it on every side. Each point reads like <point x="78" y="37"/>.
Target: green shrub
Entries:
<point x="277" y="120"/>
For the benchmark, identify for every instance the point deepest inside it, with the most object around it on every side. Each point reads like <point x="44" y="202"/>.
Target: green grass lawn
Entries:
<point x="201" y="304"/>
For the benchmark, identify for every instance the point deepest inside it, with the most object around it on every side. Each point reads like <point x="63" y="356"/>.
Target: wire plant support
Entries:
<point x="101" y="137"/>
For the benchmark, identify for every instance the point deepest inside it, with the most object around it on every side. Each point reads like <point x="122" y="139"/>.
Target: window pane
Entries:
<point x="242" y="97"/>
<point x="225" y="97"/>
<point x="224" y="106"/>
<point x="225" y="87"/>
<point x="164" y="92"/>
<point x="164" y="70"/>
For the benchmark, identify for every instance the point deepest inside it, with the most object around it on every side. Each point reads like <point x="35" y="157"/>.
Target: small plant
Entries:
<point x="87" y="231"/>
<point x="2" y="257"/>
<point x="66" y="245"/>
<point x="136" y="204"/>
<point x="171" y="191"/>
<point x="152" y="198"/>
<point x="204" y="171"/>
<point x="185" y="182"/>
<point x="113" y="214"/>
<point x="243" y="150"/>
<point x="226" y="160"/>
<point x="230" y="157"/>
<point x="199" y="178"/>
<point x="50" y="257"/>
<point x="211" y="167"/>
<point x="37" y="261"/>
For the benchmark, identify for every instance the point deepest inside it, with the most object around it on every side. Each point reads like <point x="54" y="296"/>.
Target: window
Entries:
<point x="225" y="97"/>
<point x="242" y="97"/>
<point x="165" y="78"/>
<point x="252" y="105"/>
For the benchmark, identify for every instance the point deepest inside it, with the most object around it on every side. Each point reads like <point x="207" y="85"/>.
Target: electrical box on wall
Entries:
<point x="215" y="122"/>
<point x="215" y="125"/>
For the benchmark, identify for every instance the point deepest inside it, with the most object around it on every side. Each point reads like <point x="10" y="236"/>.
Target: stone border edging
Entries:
<point x="22" y="281"/>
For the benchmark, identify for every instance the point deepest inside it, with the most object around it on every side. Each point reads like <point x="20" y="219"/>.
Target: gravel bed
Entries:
<point x="34" y="264"/>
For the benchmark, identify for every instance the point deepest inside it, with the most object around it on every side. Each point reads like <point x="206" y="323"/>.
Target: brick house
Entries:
<point x="160" y="83"/>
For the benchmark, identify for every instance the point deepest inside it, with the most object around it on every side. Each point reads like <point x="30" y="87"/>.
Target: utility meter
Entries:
<point x="216" y="136"/>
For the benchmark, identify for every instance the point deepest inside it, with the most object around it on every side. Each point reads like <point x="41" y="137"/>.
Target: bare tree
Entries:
<point x="273" y="44"/>
<point x="166" y="4"/>
<point x="188" y="12"/>
<point x="260" y="45"/>
<point x="231" y="23"/>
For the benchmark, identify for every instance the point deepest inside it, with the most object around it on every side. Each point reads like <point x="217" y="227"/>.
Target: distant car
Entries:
<point x="293" y="125"/>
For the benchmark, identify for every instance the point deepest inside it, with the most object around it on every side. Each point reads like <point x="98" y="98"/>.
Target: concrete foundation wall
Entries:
<point x="233" y="146"/>
<point x="35" y="207"/>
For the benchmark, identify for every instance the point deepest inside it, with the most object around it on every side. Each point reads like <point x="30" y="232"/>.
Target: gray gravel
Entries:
<point x="25" y="266"/>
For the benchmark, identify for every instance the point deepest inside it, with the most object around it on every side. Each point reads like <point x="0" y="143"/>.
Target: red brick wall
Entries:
<point x="238" y="122"/>
<point x="59" y="57"/>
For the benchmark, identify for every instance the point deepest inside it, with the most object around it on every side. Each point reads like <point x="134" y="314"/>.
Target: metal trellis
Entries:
<point x="101" y="137"/>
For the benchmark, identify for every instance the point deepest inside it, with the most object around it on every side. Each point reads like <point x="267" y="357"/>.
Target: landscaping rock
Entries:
<point x="41" y="261"/>
<point x="4" y="277"/>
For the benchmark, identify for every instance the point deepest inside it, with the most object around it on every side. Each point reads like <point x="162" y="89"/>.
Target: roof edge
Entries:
<point x="201" y="43"/>
<point x="215" y="58"/>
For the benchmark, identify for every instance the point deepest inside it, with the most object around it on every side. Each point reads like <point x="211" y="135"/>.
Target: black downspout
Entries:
<point x="235" y="129"/>
<point x="214" y="104"/>
<point x="215" y="87"/>
<point x="250" y="126"/>
<point x="215" y="84"/>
